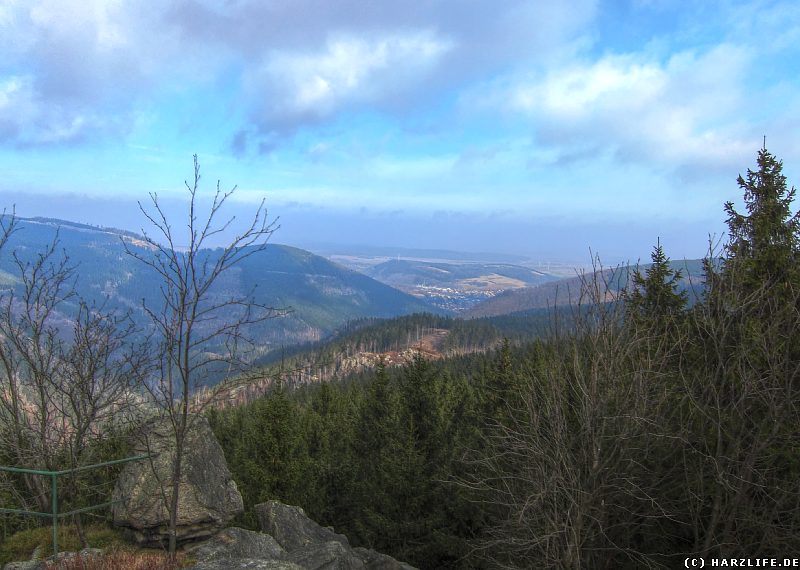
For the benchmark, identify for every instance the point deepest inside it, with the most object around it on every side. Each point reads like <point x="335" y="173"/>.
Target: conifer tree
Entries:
<point x="762" y="248"/>
<point x="376" y="451"/>
<point x="655" y="296"/>
<point x="767" y="236"/>
<point x="502" y="388"/>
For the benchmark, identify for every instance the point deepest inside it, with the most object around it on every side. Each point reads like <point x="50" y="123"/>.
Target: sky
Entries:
<point x="546" y="129"/>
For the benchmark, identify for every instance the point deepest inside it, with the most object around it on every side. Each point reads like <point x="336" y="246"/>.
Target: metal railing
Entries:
<point x="54" y="515"/>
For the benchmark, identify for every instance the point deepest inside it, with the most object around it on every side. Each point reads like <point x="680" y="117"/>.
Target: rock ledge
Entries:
<point x="289" y="541"/>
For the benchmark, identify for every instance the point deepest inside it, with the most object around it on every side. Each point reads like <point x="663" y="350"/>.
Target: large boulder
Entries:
<point x="291" y="527"/>
<point x="315" y="547"/>
<point x="208" y="497"/>
<point x="57" y="560"/>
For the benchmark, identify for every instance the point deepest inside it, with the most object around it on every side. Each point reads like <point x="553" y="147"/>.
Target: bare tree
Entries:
<point x="30" y="345"/>
<point x="567" y="475"/>
<point x="740" y="379"/>
<point x="197" y="325"/>
<point x="98" y="386"/>
<point x="67" y="370"/>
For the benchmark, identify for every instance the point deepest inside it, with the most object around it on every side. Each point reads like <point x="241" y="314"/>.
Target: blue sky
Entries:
<point x="540" y="128"/>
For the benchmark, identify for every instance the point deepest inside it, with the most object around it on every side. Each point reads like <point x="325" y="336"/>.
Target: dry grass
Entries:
<point x="123" y="558"/>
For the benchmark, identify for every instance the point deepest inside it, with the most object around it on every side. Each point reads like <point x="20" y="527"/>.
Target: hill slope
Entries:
<point x="361" y="345"/>
<point x="321" y="295"/>
<point x="568" y="291"/>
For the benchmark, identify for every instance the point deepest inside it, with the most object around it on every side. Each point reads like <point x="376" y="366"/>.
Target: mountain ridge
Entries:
<point x="322" y="294"/>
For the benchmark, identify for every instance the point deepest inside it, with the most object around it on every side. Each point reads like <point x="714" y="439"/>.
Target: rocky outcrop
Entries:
<point x="208" y="497"/>
<point x="233" y="543"/>
<point x="290" y="541"/>
<point x="292" y="528"/>
<point x="328" y="555"/>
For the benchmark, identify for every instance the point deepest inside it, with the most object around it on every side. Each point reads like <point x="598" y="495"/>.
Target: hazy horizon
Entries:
<point x="329" y="233"/>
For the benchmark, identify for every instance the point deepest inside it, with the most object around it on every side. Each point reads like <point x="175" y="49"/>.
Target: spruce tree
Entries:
<point x="502" y="389"/>
<point x="762" y="248"/>
<point x="655" y="296"/>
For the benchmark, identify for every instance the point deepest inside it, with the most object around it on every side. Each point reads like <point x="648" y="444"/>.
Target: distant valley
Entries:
<point x="317" y="295"/>
<point x="454" y="287"/>
<point x="451" y="281"/>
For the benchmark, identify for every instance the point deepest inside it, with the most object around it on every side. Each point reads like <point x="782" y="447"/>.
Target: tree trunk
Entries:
<point x="176" y="483"/>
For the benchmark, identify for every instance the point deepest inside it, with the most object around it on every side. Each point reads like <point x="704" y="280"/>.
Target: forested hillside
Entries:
<point x="364" y="344"/>
<point x="382" y="335"/>
<point x="569" y="291"/>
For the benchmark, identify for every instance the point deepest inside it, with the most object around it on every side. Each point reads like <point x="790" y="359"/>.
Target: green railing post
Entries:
<point x="54" y="514"/>
<point x="54" y="491"/>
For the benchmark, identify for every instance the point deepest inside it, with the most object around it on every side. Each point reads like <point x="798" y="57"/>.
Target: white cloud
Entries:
<point x="27" y="120"/>
<point x="683" y="112"/>
<point x="20" y="113"/>
<point x="348" y="69"/>
<point x="9" y="90"/>
<point x="76" y="68"/>
<point x="578" y="92"/>
<point x="89" y="67"/>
